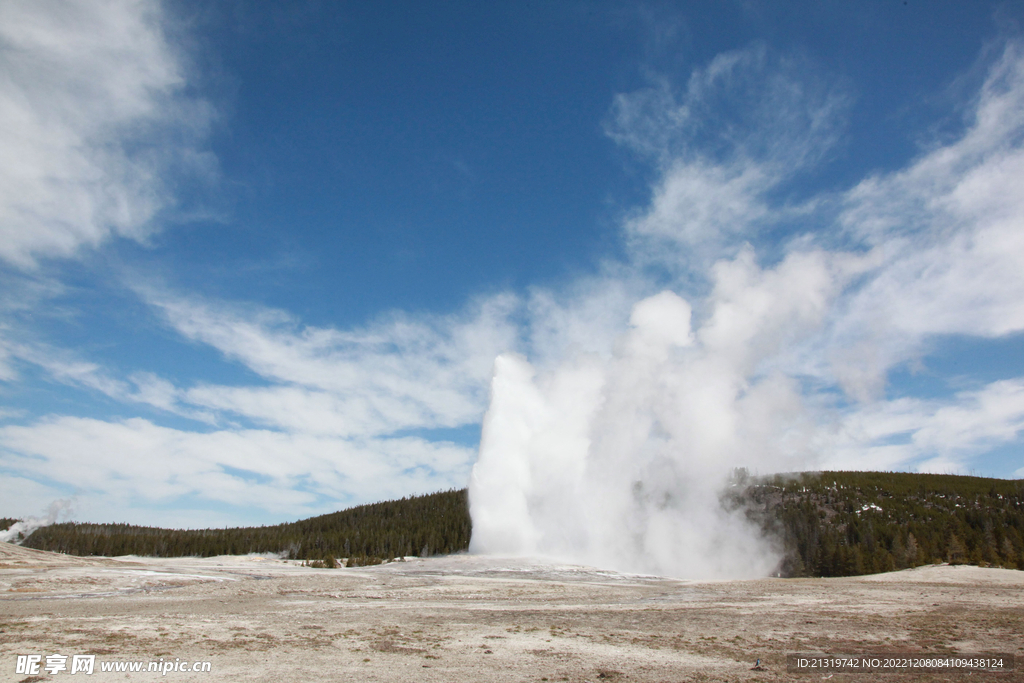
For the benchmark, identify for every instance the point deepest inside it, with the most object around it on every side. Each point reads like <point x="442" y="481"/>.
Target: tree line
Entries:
<point x="826" y="524"/>
<point x="433" y="524"/>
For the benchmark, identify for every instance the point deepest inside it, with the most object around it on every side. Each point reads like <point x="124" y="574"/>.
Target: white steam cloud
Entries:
<point x="619" y="462"/>
<point x="776" y="357"/>
<point x="23" y="529"/>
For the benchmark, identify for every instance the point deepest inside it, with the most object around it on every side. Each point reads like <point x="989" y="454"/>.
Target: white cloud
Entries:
<point x="743" y="126"/>
<point x="92" y="117"/>
<point x="140" y="464"/>
<point x="930" y="435"/>
<point x="68" y="368"/>
<point x="704" y="206"/>
<point x="397" y="373"/>
<point x="948" y="235"/>
<point x="306" y="411"/>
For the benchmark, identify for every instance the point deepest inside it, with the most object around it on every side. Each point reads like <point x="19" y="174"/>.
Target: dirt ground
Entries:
<point x="469" y="618"/>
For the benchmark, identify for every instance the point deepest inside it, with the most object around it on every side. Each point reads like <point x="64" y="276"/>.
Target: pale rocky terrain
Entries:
<point x="469" y="618"/>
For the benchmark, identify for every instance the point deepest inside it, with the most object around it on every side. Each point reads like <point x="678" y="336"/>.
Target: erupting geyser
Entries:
<point x="619" y="461"/>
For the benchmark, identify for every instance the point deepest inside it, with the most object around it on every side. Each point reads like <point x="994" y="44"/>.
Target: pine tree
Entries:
<point x="1009" y="555"/>
<point x="955" y="551"/>
<point x="913" y="553"/>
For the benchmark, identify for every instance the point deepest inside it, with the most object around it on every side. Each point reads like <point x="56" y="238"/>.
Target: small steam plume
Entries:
<point x="619" y="462"/>
<point x="19" y="531"/>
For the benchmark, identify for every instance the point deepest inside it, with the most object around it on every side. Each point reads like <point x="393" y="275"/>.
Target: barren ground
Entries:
<point x="465" y="618"/>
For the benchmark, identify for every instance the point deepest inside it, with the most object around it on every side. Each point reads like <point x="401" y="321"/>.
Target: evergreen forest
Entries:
<point x="851" y="523"/>
<point x="434" y="524"/>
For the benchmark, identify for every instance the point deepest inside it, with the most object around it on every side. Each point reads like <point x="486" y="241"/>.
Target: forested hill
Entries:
<point x="827" y="524"/>
<point x="849" y="523"/>
<point x="437" y="523"/>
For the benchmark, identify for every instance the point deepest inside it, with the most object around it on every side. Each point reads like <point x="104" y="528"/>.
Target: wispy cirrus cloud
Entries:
<point x="399" y="372"/>
<point x="930" y="435"/>
<point x="947" y="235"/>
<point x="740" y="128"/>
<point x="94" y="118"/>
<point x="69" y="368"/>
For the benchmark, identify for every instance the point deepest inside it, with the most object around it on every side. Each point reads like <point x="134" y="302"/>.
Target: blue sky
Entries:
<point x="256" y="263"/>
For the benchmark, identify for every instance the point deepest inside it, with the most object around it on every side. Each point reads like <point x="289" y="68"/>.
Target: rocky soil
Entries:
<point x="479" y="619"/>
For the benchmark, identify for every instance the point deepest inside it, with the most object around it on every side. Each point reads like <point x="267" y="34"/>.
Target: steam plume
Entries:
<point x="620" y="462"/>
<point x="23" y="529"/>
